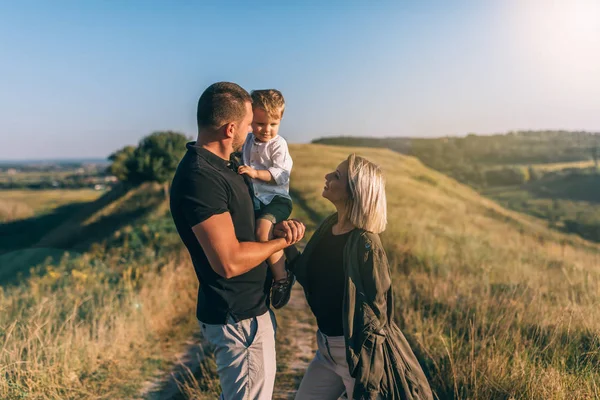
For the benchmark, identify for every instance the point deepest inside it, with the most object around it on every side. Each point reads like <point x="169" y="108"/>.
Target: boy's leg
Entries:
<point x="277" y="210"/>
<point x="245" y="356"/>
<point x="264" y="233"/>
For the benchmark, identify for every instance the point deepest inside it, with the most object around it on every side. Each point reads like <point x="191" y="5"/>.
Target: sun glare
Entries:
<point x="561" y="37"/>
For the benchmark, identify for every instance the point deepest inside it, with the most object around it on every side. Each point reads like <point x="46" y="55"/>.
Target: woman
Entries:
<point x="346" y="280"/>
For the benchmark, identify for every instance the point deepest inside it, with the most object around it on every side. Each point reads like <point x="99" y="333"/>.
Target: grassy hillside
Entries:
<point x="496" y="305"/>
<point x="73" y="226"/>
<point x="20" y="204"/>
<point x="551" y="175"/>
<point x="107" y="312"/>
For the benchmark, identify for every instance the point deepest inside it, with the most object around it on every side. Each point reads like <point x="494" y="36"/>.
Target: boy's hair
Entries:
<point x="221" y="103"/>
<point x="270" y="100"/>
<point x="367" y="206"/>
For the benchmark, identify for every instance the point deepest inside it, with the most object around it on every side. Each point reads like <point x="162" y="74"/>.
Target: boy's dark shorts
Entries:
<point x="279" y="209"/>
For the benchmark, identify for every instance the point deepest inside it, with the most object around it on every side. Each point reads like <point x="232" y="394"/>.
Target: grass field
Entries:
<point x="19" y="204"/>
<point x="561" y="166"/>
<point x="495" y="304"/>
<point x="34" y="176"/>
<point x="99" y="322"/>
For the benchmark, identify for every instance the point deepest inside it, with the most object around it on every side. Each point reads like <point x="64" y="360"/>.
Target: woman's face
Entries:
<point x="336" y="188"/>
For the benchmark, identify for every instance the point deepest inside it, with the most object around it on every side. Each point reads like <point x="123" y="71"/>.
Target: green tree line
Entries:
<point x="482" y="160"/>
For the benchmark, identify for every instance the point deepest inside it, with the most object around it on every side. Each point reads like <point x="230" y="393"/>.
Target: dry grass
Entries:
<point x="19" y="204"/>
<point x="98" y="324"/>
<point x="14" y="210"/>
<point x="72" y="333"/>
<point x="496" y="305"/>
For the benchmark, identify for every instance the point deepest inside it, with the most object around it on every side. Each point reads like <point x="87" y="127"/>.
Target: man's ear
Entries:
<point x="230" y="129"/>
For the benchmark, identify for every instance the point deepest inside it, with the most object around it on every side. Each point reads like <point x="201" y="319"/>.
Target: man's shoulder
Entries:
<point x="194" y="171"/>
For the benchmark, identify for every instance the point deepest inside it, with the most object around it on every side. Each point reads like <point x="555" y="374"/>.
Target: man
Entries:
<point x="214" y="215"/>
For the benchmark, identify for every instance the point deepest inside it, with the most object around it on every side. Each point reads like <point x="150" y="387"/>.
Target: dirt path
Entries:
<point x="296" y="344"/>
<point x="187" y="363"/>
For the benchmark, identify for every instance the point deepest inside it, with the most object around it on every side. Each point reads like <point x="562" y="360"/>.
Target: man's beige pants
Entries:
<point x="245" y="356"/>
<point x="327" y="376"/>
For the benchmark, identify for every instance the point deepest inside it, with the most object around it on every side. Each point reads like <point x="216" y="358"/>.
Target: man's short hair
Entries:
<point x="221" y="103"/>
<point x="270" y="100"/>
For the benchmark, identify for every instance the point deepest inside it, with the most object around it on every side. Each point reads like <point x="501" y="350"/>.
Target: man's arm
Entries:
<point x="227" y="256"/>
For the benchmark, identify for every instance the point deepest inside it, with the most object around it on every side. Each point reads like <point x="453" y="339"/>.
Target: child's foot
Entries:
<point x="281" y="290"/>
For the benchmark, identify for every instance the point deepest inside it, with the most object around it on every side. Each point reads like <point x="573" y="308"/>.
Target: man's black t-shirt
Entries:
<point x="205" y="185"/>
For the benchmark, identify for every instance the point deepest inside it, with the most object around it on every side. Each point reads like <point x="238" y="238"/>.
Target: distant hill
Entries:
<point x="522" y="147"/>
<point x="466" y="158"/>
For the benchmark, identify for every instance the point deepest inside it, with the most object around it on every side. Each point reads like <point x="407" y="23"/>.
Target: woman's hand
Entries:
<point x="292" y="230"/>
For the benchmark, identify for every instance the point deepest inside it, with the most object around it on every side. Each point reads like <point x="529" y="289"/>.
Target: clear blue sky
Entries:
<point x="84" y="78"/>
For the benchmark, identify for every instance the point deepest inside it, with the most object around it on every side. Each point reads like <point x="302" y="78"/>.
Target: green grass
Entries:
<point x="561" y="166"/>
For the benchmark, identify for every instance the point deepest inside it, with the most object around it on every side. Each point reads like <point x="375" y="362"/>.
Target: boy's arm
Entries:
<point x="260" y="174"/>
<point x="282" y="163"/>
<point x="279" y="172"/>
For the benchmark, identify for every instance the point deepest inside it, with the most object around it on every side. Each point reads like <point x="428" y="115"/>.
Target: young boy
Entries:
<point x="267" y="161"/>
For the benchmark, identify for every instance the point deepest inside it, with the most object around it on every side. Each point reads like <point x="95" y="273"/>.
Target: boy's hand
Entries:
<point x="251" y="172"/>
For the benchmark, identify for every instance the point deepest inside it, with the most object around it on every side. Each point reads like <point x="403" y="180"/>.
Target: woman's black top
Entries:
<point x="326" y="281"/>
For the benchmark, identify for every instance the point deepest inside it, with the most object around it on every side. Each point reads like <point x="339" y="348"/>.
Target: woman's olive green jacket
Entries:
<point x="379" y="357"/>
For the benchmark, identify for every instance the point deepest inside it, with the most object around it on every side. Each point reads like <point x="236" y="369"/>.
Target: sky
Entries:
<point x="85" y="78"/>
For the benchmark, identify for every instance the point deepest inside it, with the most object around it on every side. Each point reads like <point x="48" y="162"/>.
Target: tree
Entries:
<point x="119" y="160"/>
<point x="596" y="153"/>
<point x="156" y="158"/>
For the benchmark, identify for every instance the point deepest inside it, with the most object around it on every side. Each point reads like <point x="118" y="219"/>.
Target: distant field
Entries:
<point x="17" y="204"/>
<point x="560" y="166"/>
<point x="33" y="176"/>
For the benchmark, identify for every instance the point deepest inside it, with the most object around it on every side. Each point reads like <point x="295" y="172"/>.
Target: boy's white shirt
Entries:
<point x="274" y="157"/>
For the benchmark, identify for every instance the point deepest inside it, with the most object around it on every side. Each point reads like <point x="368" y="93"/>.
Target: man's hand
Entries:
<point x="292" y="230"/>
<point x="246" y="170"/>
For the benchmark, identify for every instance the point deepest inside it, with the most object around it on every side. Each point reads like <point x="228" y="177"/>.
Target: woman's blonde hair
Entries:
<point x="367" y="207"/>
